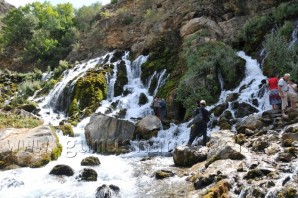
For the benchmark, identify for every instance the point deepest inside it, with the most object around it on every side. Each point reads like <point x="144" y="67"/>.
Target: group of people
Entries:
<point x="159" y="107"/>
<point x="281" y="92"/>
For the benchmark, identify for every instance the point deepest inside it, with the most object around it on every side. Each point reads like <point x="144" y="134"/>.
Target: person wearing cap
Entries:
<point x="282" y="90"/>
<point x="199" y="128"/>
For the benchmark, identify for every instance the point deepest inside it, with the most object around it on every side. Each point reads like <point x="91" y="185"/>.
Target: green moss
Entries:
<point x="56" y="152"/>
<point x="220" y="189"/>
<point x="67" y="130"/>
<point x="211" y="160"/>
<point x="45" y="160"/>
<point x="89" y="91"/>
<point x="17" y="121"/>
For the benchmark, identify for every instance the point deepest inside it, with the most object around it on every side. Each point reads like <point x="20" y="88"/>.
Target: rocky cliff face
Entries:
<point x="138" y="25"/>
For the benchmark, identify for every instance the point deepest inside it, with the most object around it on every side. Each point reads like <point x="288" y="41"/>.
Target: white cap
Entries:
<point x="203" y="102"/>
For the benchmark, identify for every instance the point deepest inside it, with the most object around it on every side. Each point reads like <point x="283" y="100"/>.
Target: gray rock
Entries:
<point x="26" y="147"/>
<point x="185" y="156"/>
<point x="147" y="127"/>
<point x="103" y="133"/>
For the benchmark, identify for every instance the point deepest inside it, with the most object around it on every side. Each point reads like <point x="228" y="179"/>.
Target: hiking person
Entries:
<point x="156" y="106"/>
<point x="199" y="127"/>
<point x="292" y="93"/>
<point x="283" y="93"/>
<point x="274" y="97"/>
<point x="163" y="109"/>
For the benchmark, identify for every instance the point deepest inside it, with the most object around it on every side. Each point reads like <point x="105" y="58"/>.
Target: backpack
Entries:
<point x="198" y="119"/>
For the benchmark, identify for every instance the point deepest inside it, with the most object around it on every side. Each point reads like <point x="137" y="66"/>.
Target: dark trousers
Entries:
<point x="198" y="130"/>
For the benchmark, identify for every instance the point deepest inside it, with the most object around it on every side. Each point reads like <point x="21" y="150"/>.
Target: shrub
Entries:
<point x="28" y="88"/>
<point x="17" y="121"/>
<point x="281" y="58"/>
<point x="67" y="130"/>
<point x="114" y="1"/>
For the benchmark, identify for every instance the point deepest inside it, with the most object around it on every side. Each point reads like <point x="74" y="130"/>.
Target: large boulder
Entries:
<point x="28" y="147"/>
<point x="107" y="134"/>
<point x="222" y="145"/>
<point x="196" y="24"/>
<point x="185" y="156"/>
<point x="252" y="122"/>
<point x="243" y="109"/>
<point x="147" y="127"/>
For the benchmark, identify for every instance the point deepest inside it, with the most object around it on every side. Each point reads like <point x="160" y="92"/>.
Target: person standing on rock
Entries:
<point x="292" y="87"/>
<point x="163" y="109"/>
<point x="283" y="93"/>
<point x="156" y="106"/>
<point x="199" y="128"/>
<point x="274" y="97"/>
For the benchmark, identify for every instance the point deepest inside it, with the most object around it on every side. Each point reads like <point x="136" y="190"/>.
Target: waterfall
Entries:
<point x="221" y="81"/>
<point x="294" y="37"/>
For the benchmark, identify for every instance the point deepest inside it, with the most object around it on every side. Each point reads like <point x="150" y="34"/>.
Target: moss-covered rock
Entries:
<point x="287" y="192"/>
<point x="162" y="174"/>
<point x="62" y="169"/>
<point x="89" y="90"/>
<point x="30" y="107"/>
<point x="67" y="130"/>
<point x="87" y="174"/>
<point x="220" y="189"/>
<point x="90" y="161"/>
<point x="253" y="174"/>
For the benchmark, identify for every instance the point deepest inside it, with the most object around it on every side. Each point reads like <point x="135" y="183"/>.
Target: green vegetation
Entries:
<point x="204" y="61"/>
<point x="255" y="29"/>
<point x="85" y="16"/>
<point x="17" y="121"/>
<point x="45" y="32"/>
<point x="281" y="58"/>
<point x="67" y="130"/>
<point x="88" y="92"/>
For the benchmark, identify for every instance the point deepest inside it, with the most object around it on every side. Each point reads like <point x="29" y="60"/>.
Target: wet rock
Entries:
<point x="286" y="157"/>
<point x="272" y="149"/>
<point x="222" y="146"/>
<point x="252" y="122"/>
<point x="202" y="181"/>
<point x="252" y="174"/>
<point x="220" y="189"/>
<point x="244" y="109"/>
<point x="218" y="110"/>
<point x="87" y="174"/>
<point x="185" y="156"/>
<point x="162" y="174"/>
<point x="107" y="134"/>
<point x="241" y="167"/>
<point x="260" y="144"/>
<point x="117" y="56"/>
<point x="254" y="191"/>
<point x="287" y="192"/>
<point x="147" y="127"/>
<point x="288" y="138"/>
<point x="90" y="161"/>
<point x="105" y="191"/>
<point x="232" y="97"/>
<point x="62" y="169"/>
<point x="29" y="107"/>
<point x="143" y="99"/>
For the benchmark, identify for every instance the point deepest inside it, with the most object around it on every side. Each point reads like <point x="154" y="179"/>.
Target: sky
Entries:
<point x="75" y="3"/>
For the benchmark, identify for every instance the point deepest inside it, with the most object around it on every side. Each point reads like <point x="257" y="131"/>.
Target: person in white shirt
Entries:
<point x="292" y="87"/>
<point x="282" y="90"/>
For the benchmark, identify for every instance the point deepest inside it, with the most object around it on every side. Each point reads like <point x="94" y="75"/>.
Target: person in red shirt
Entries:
<point x="274" y="97"/>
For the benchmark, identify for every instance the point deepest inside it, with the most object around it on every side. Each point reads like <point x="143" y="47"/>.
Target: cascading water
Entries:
<point x="126" y="171"/>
